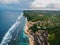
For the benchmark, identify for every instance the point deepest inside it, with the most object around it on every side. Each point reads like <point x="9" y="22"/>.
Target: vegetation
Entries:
<point x="54" y="36"/>
<point x="46" y="20"/>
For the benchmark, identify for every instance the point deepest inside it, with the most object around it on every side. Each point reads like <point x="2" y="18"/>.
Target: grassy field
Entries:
<point x="46" y="20"/>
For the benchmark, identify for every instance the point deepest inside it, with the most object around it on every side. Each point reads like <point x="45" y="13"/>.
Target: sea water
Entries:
<point x="7" y="19"/>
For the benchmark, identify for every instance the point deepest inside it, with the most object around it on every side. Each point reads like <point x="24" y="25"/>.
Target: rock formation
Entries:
<point x="36" y="38"/>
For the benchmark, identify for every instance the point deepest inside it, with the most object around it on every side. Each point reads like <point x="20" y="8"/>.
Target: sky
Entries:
<point x="29" y="4"/>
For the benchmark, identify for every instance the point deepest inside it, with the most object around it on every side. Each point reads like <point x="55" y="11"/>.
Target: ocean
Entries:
<point x="12" y="28"/>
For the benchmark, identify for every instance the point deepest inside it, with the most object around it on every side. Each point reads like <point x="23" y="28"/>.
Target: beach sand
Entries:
<point x="28" y="33"/>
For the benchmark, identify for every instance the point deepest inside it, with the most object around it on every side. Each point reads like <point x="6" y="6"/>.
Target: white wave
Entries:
<point x="8" y="36"/>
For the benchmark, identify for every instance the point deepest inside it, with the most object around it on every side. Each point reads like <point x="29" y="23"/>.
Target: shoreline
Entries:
<point x="34" y="36"/>
<point x="31" y="42"/>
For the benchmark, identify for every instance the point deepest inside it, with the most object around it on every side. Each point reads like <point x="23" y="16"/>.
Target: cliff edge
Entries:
<point x="36" y="38"/>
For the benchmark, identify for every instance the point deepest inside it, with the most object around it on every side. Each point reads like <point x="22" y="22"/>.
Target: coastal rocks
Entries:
<point x="41" y="36"/>
<point x="36" y="38"/>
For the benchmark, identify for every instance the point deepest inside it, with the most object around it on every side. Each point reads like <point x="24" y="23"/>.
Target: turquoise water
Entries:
<point x="22" y="39"/>
<point x="7" y="19"/>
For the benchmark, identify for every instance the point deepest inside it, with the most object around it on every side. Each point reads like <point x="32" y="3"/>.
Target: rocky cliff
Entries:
<point x="36" y="38"/>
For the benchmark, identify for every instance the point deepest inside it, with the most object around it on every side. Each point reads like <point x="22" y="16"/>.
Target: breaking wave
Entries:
<point x="14" y="28"/>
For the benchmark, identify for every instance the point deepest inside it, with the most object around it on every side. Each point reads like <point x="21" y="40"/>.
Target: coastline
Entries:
<point x="31" y="42"/>
<point x="34" y="36"/>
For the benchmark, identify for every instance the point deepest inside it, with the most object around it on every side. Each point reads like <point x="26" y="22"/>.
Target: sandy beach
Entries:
<point x="28" y="33"/>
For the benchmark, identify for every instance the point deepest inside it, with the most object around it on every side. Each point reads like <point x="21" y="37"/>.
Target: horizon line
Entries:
<point x="53" y="9"/>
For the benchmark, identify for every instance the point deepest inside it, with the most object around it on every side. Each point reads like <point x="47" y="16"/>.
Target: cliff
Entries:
<point x="36" y="38"/>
